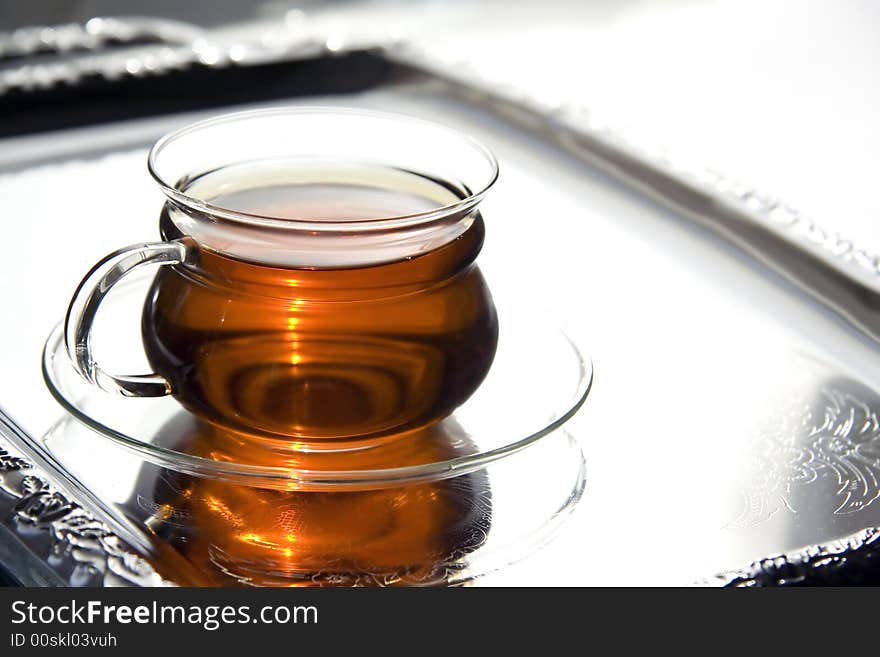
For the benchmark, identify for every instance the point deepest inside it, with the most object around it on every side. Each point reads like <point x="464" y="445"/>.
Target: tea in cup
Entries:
<point x="320" y="284"/>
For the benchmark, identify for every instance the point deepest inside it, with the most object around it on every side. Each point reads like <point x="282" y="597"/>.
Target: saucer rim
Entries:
<point x="303" y="478"/>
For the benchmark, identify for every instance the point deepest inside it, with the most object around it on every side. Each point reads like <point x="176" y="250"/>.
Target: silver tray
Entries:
<point x="735" y="408"/>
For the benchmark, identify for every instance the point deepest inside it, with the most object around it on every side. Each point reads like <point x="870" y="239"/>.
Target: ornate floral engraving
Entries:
<point x="82" y="549"/>
<point x="833" y="441"/>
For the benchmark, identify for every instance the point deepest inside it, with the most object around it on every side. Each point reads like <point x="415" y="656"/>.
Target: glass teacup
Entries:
<point x="321" y="285"/>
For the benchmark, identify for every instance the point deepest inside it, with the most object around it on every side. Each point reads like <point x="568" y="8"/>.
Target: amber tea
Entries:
<point x="236" y="534"/>
<point x="328" y="352"/>
<point x="318" y="287"/>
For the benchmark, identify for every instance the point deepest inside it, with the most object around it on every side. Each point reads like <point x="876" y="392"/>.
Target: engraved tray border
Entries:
<point x="64" y="538"/>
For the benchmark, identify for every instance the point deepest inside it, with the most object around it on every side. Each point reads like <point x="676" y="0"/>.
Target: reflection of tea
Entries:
<point x="331" y="353"/>
<point x="410" y="534"/>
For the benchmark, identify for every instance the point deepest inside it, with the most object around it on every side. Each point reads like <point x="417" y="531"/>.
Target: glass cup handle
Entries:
<point x="84" y="307"/>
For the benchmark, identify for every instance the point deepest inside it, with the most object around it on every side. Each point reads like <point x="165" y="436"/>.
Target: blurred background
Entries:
<point x="781" y="94"/>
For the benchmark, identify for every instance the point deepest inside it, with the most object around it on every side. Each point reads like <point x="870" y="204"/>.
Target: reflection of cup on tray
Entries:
<point x="236" y="534"/>
<point x="321" y="286"/>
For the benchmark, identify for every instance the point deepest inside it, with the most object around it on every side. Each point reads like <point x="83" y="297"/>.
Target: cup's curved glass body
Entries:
<point x="322" y="286"/>
<point x="325" y="353"/>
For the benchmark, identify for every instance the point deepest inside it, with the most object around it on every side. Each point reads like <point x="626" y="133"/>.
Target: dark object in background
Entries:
<point x="98" y="100"/>
<point x="52" y="12"/>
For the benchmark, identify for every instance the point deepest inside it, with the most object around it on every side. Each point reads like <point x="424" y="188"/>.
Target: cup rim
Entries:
<point x="374" y="223"/>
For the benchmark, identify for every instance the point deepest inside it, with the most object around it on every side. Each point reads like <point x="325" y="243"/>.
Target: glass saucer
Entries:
<point x="200" y="531"/>
<point x="538" y="380"/>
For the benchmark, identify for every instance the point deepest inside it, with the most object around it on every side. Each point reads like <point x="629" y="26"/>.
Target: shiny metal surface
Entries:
<point x="848" y="561"/>
<point x="732" y="416"/>
<point x="828" y="266"/>
<point x="53" y="533"/>
<point x="113" y="49"/>
<point x="95" y="34"/>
